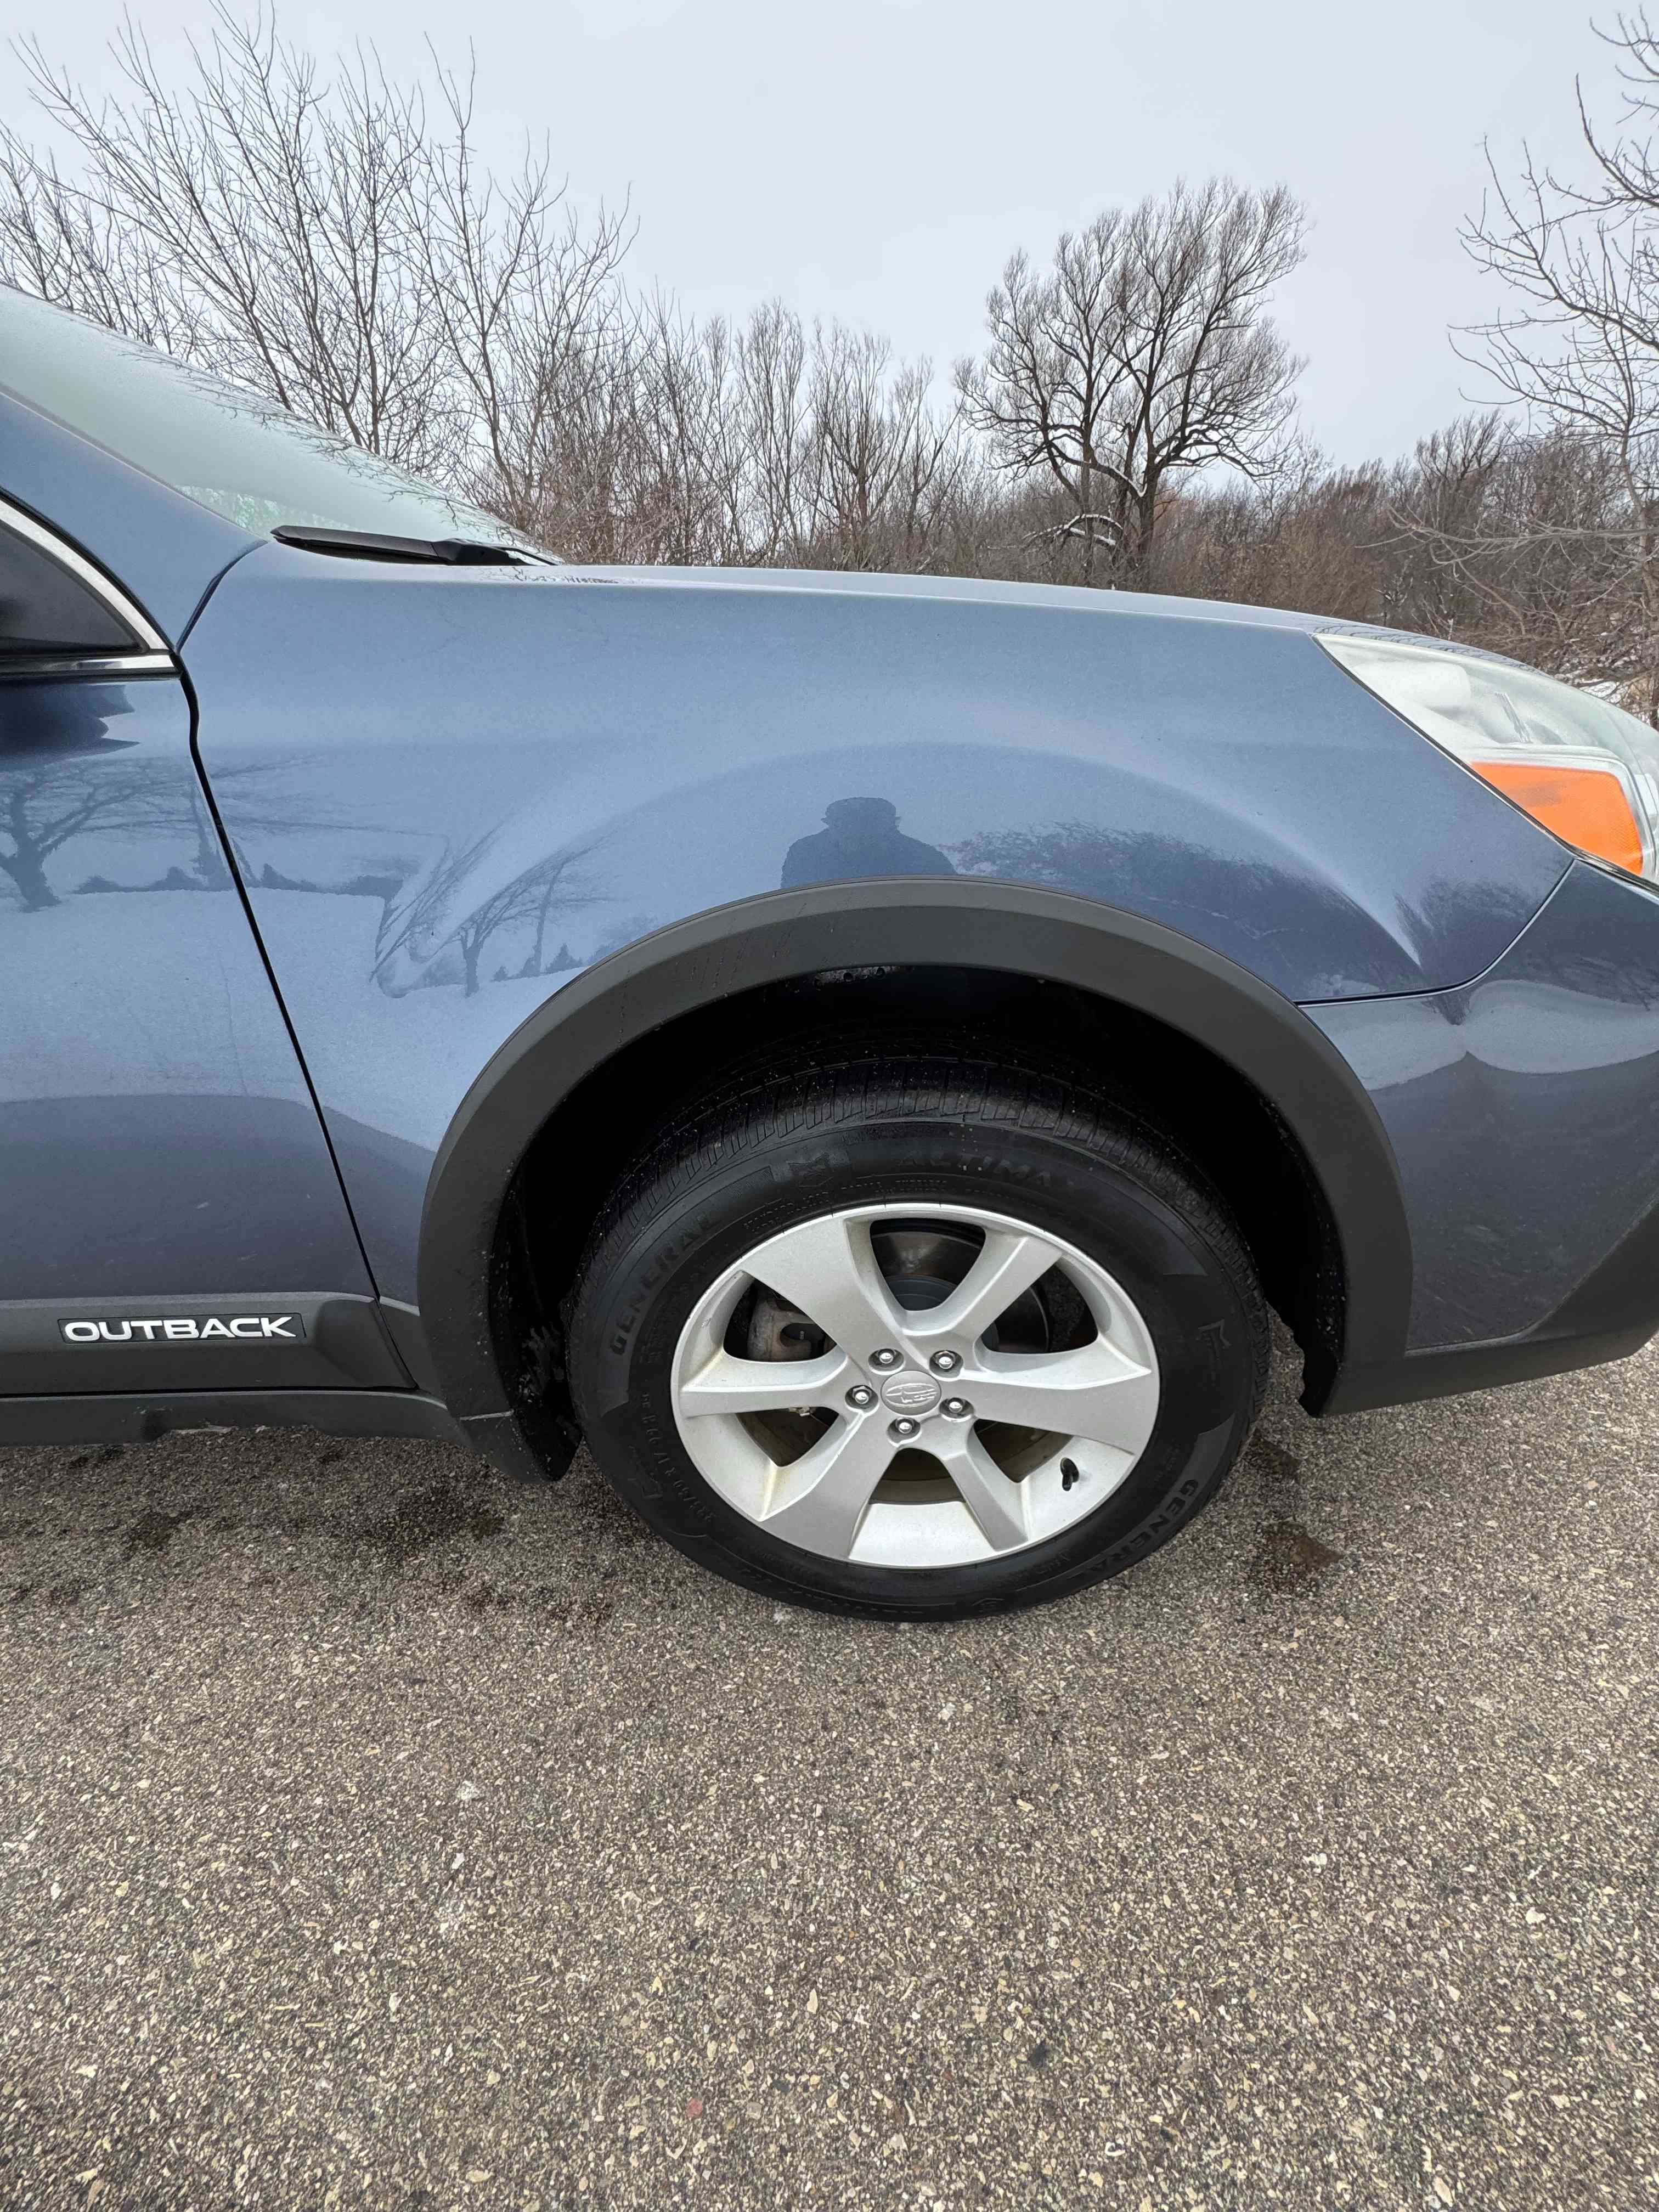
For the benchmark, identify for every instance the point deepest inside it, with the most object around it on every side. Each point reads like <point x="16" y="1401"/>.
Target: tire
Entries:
<point x="1152" y="1296"/>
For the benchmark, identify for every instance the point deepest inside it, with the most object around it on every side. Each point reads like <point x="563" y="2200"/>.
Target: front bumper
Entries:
<point x="1523" y="1111"/>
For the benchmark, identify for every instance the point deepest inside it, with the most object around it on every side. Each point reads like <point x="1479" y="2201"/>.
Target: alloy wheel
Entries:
<point x="915" y="1385"/>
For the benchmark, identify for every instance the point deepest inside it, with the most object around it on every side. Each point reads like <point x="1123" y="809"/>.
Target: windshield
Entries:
<point x="244" y="457"/>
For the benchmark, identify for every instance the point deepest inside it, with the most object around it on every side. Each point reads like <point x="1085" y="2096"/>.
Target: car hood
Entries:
<point x="983" y="591"/>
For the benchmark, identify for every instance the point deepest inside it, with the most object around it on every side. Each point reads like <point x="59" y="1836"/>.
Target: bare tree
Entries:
<point x="333" y="240"/>
<point x="770" y="442"/>
<point x="1575" y="352"/>
<point x="322" y="243"/>
<point x="886" y="463"/>
<point x="335" y="243"/>
<point x="60" y="243"/>
<point x="687" y="497"/>
<point x="772" y="373"/>
<point x="262" y="223"/>
<point x="1521" y="541"/>
<point x="533" y="323"/>
<point x="1311" y="537"/>
<point x="1143" y="351"/>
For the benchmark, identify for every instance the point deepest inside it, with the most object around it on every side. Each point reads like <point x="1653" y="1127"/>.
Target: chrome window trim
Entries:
<point x="36" y="533"/>
<point x="44" y="667"/>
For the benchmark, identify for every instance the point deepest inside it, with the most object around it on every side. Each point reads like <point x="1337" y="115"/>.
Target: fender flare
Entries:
<point x="903" y="921"/>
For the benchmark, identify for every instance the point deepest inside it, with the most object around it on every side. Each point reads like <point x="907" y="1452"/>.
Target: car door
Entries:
<point x="170" y="1215"/>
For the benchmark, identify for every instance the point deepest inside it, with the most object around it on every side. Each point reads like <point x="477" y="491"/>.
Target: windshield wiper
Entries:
<point x="377" y="545"/>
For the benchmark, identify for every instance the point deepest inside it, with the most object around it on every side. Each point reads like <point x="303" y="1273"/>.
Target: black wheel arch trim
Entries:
<point x="911" y="921"/>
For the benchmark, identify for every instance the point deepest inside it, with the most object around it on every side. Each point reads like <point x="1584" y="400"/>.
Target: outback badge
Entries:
<point x="186" y="1328"/>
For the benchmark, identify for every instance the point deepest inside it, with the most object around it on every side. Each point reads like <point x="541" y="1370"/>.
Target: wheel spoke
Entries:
<point x="997" y="1503"/>
<point x="827" y="1268"/>
<point x="1094" y="1392"/>
<point x="1010" y="1261"/>
<point x="819" y="1499"/>
<point x="727" y="1385"/>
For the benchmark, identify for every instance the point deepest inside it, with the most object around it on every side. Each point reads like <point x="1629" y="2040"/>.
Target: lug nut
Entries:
<point x="957" y="1408"/>
<point x="862" y="1396"/>
<point x="946" y="1363"/>
<point x="886" y="1358"/>
<point x="904" y="1428"/>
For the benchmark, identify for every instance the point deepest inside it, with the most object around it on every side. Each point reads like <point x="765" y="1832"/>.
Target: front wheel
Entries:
<point x="917" y="1339"/>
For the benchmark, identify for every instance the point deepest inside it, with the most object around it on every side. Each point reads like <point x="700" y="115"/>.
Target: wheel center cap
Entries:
<point x="909" y="1393"/>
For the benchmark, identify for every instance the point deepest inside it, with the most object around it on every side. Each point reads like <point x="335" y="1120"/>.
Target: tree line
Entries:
<point x="334" y="241"/>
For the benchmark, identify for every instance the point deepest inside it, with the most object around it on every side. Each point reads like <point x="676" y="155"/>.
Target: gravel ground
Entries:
<point x="375" y="1834"/>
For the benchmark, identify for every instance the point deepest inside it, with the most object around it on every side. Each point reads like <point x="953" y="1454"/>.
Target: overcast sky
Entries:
<point x="879" y="159"/>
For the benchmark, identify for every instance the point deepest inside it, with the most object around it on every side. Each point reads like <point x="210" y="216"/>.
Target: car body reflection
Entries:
<point x="860" y="837"/>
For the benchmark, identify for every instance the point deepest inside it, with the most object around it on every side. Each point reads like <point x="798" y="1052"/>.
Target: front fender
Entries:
<point x="450" y="793"/>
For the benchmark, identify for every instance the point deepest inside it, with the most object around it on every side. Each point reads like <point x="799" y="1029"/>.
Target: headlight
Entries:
<point x="1585" y="769"/>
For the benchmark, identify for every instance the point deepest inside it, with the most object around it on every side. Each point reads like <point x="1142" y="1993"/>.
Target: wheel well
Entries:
<point x="1223" y="1123"/>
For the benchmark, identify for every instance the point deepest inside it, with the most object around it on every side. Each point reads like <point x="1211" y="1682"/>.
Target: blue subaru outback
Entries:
<point x="864" y="1053"/>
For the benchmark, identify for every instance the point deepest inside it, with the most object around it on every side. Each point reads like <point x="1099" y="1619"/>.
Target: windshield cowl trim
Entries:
<point x="383" y="545"/>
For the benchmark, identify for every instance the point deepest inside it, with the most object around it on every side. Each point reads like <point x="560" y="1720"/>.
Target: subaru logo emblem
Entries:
<point x="909" y="1393"/>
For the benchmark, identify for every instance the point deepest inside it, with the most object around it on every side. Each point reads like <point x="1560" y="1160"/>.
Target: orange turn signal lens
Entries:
<point x="1588" y="807"/>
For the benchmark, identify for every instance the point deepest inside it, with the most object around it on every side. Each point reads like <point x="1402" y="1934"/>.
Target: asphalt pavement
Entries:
<point x="373" y="1832"/>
